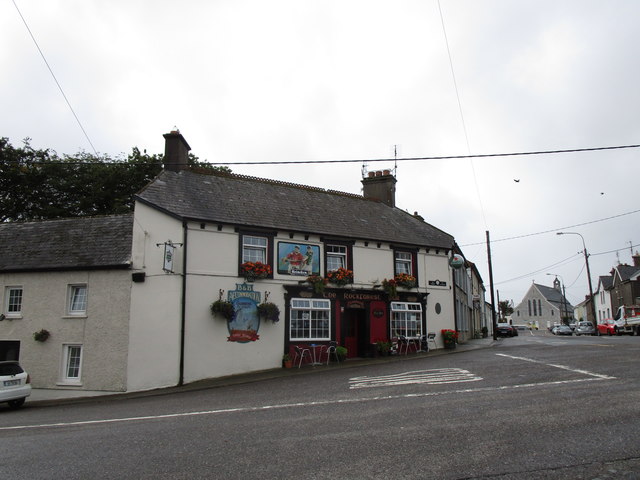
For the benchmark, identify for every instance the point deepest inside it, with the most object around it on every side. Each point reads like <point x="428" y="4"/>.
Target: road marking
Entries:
<point x="563" y="367"/>
<point x="303" y="404"/>
<point x="431" y="377"/>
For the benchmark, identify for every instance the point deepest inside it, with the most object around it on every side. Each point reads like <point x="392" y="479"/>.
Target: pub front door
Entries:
<point x="356" y="335"/>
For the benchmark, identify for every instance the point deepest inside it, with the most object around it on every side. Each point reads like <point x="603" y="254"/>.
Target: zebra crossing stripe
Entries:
<point x="429" y="377"/>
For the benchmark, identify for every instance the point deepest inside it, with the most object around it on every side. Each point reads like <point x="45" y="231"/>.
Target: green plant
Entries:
<point x="41" y="335"/>
<point x="485" y="332"/>
<point x="317" y="282"/>
<point x="286" y="357"/>
<point x="390" y="287"/>
<point x="383" y="347"/>
<point x="269" y="311"/>
<point x="342" y="353"/>
<point x="222" y="308"/>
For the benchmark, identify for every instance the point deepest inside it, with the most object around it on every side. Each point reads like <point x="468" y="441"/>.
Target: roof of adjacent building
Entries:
<point x="554" y="296"/>
<point x="606" y="281"/>
<point x="625" y="272"/>
<point x="255" y="202"/>
<point x="67" y="244"/>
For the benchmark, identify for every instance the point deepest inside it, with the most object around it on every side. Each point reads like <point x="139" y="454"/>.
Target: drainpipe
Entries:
<point x="183" y="306"/>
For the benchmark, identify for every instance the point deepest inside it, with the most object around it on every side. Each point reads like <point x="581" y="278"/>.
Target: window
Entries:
<point x="535" y="306"/>
<point x="77" y="300"/>
<point x="310" y="319"/>
<point x="13" y="301"/>
<point x="72" y="363"/>
<point x="404" y="263"/>
<point x="529" y="303"/>
<point x="539" y="307"/>
<point x="406" y="319"/>
<point x="336" y="257"/>
<point x="254" y="249"/>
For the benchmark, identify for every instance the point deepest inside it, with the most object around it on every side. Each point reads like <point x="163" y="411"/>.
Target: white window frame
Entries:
<point x="76" y="375"/>
<point x="403" y="263"/>
<point x="310" y="319"/>
<point x="71" y="296"/>
<point x="8" y="304"/>
<point x="253" y="249"/>
<point x="406" y="319"/>
<point x="336" y="257"/>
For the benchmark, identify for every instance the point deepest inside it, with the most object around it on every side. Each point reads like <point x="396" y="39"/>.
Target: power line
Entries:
<point x="54" y="78"/>
<point x="554" y="230"/>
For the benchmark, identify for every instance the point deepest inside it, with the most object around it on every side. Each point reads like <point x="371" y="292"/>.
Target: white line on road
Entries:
<point x="302" y="404"/>
<point x="430" y="377"/>
<point x="563" y="367"/>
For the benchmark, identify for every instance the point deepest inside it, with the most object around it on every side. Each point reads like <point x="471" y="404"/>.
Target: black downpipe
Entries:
<point x="184" y="303"/>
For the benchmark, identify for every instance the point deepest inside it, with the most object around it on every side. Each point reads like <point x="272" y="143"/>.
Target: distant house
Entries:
<point x="625" y="289"/>
<point x="543" y="306"/>
<point x="71" y="278"/>
<point x="603" y="298"/>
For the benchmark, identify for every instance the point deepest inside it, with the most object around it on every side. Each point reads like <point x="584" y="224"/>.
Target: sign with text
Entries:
<point x="298" y="259"/>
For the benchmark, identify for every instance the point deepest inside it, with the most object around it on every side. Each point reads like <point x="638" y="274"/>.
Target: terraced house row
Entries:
<point x="218" y="274"/>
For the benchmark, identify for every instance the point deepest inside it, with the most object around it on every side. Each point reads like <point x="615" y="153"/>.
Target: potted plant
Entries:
<point x="255" y="270"/>
<point x="317" y="282"/>
<point x="390" y="287"/>
<point x="269" y="311"/>
<point x="449" y="337"/>
<point x="223" y="309"/>
<point x="485" y="332"/>
<point x="342" y="353"/>
<point x="286" y="361"/>
<point x="340" y="277"/>
<point x="383" y="348"/>
<point x="41" y="335"/>
<point x="405" y="280"/>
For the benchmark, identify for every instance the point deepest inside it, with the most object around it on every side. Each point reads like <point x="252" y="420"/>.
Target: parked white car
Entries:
<point x="15" y="384"/>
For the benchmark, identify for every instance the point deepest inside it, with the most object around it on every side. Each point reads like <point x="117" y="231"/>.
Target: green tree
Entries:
<point x="505" y="308"/>
<point x="39" y="184"/>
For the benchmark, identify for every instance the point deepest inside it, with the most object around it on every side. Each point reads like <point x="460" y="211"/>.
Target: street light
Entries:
<point x="586" y="261"/>
<point x="564" y="298"/>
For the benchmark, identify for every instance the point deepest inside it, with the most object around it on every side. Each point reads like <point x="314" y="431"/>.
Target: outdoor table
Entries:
<point x="314" y="347"/>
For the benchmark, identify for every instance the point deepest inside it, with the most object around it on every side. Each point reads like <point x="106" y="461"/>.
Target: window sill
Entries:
<point x="12" y="316"/>
<point x="76" y="316"/>
<point x="69" y="383"/>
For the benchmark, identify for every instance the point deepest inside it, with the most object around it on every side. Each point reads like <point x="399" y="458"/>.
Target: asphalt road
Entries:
<point x="531" y="407"/>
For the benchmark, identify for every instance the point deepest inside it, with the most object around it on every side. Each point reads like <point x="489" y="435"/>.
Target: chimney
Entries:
<point x="636" y="259"/>
<point x="176" y="151"/>
<point x="380" y="186"/>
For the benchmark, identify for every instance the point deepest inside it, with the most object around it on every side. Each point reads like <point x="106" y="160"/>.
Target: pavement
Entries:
<point x="50" y="396"/>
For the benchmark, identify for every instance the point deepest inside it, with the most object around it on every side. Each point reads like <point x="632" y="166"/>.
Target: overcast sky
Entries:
<point x="249" y="81"/>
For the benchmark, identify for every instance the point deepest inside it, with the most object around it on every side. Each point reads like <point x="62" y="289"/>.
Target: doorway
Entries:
<point x="356" y="335"/>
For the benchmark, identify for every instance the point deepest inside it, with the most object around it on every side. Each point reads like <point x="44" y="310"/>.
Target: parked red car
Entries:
<point x="606" y="328"/>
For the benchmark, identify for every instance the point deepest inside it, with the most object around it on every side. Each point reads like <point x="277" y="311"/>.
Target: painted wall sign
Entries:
<point x="244" y="325"/>
<point x="355" y="304"/>
<point x="378" y="313"/>
<point x="437" y="283"/>
<point x="298" y="259"/>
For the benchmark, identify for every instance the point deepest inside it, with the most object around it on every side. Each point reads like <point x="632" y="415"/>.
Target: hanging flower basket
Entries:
<point x="255" y="270"/>
<point x="317" y="282"/>
<point x="41" y="336"/>
<point x="405" y="280"/>
<point x="223" y="309"/>
<point x="390" y="287"/>
<point x="340" y="277"/>
<point x="269" y="311"/>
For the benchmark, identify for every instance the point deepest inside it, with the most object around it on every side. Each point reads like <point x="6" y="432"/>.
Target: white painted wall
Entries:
<point x="103" y="332"/>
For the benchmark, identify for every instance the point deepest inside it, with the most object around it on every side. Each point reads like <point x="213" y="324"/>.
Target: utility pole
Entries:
<point x="493" y="300"/>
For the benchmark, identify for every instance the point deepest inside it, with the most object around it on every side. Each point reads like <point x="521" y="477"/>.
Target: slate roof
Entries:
<point x="606" y="281"/>
<point x="554" y="296"/>
<point x="254" y="202"/>
<point x="67" y="244"/>
<point x="625" y="272"/>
